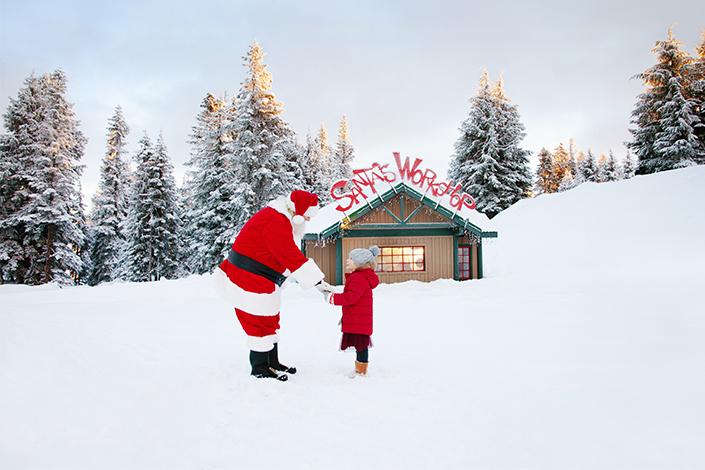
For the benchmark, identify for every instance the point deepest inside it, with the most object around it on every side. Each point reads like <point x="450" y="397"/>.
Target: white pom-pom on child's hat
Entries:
<point x="302" y="204"/>
<point x="361" y="256"/>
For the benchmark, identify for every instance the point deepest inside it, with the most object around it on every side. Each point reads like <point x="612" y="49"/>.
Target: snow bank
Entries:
<point x="649" y="226"/>
<point x="547" y="364"/>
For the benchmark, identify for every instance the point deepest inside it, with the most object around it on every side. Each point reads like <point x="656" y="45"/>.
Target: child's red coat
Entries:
<point x="356" y="301"/>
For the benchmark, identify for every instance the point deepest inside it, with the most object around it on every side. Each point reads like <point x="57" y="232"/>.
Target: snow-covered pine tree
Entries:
<point x="579" y="177"/>
<point x="263" y="141"/>
<point x="570" y="177"/>
<point x="343" y="153"/>
<point x="628" y="167"/>
<point x="587" y="168"/>
<point x="602" y="168"/>
<point x="110" y="203"/>
<point x="696" y="92"/>
<point x="544" y="173"/>
<point x="323" y="158"/>
<point x="151" y="250"/>
<point x="568" y="182"/>
<point x="84" y="250"/>
<point x="309" y="165"/>
<point x="664" y="136"/>
<point x="572" y="159"/>
<point x="20" y="122"/>
<point x="511" y="133"/>
<point x="488" y="161"/>
<point x="611" y="169"/>
<point x="43" y="229"/>
<point x="210" y="211"/>
<point x="561" y="167"/>
<point x="295" y="156"/>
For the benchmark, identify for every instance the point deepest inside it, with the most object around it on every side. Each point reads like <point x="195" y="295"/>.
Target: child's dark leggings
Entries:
<point x="363" y="355"/>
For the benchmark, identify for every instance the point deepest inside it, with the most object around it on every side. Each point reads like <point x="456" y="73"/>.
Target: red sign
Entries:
<point x="422" y="178"/>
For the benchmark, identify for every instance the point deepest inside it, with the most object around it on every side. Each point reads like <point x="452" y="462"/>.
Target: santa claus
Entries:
<point x="264" y="255"/>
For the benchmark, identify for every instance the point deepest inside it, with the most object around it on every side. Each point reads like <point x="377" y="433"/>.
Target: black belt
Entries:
<point x="255" y="267"/>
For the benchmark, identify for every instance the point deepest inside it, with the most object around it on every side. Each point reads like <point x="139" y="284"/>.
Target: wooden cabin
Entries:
<point x="418" y="237"/>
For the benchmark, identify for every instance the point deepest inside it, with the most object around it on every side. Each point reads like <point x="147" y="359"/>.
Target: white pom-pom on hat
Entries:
<point x="298" y="219"/>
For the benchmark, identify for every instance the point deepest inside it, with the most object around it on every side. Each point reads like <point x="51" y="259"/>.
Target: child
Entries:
<point x="356" y="300"/>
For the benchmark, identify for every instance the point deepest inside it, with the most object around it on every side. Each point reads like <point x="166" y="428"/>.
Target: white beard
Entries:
<point x="299" y="232"/>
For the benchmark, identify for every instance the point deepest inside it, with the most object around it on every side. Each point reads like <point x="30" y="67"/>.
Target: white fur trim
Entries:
<point x="281" y="205"/>
<point x="298" y="220"/>
<point x="262" y="343"/>
<point x="311" y="211"/>
<point x="263" y="305"/>
<point x="308" y="274"/>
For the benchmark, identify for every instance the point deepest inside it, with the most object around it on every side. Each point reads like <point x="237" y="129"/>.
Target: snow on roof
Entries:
<point x="329" y="215"/>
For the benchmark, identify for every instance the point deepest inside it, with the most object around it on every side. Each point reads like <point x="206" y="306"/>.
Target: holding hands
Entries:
<point x="324" y="288"/>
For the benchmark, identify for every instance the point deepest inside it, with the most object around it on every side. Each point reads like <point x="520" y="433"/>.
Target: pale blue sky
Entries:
<point x="402" y="71"/>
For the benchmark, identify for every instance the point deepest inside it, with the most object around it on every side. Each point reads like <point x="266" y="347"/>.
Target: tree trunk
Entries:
<point x="50" y="253"/>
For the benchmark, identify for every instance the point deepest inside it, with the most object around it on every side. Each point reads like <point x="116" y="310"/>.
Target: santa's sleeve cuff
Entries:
<point x="308" y="274"/>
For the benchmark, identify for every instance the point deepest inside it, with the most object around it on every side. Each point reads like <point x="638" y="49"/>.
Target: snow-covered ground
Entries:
<point x="584" y="348"/>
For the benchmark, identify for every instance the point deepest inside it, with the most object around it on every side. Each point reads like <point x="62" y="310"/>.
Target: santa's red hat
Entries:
<point x="303" y="204"/>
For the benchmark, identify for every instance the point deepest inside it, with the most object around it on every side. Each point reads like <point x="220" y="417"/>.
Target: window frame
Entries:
<point x="461" y="258"/>
<point x="381" y="257"/>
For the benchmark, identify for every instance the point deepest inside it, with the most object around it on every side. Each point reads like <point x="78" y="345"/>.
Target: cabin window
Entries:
<point x="399" y="259"/>
<point x="464" y="265"/>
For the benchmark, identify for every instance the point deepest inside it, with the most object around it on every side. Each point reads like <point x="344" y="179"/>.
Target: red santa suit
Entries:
<point x="271" y="237"/>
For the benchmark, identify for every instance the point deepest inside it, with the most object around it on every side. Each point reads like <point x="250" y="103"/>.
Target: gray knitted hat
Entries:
<point x="361" y="256"/>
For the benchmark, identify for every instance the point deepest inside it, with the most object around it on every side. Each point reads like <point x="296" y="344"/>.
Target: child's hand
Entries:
<point x="328" y="297"/>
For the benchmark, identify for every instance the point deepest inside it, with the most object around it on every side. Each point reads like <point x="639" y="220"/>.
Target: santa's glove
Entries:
<point x="323" y="287"/>
<point x="328" y="296"/>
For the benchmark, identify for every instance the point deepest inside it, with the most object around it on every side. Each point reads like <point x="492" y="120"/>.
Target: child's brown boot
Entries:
<point x="360" y="368"/>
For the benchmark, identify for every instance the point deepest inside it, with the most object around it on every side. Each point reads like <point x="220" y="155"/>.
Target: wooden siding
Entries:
<point x="324" y="256"/>
<point x="424" y="215"/>
<point x="380" y="216"/>
<point x="439" y="256"/>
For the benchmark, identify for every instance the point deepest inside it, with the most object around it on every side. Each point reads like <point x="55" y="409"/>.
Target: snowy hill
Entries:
<point x="582" y="349"/>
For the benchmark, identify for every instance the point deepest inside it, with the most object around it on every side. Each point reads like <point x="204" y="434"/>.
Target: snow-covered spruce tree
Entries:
<point x="309" y="165"/>
<point x="511" y="133"/>
<point x="561" y="167"/>
<point x="587" y="168"/>
<point x="611" y="170"/>
<point x="664" y="118"/>
<point x="110" y="203"/>
<point x="323" y="161"/>
<point x="295" y="155"/>
<point x="579" y="177"/>
<point x="628" y="167"/>
<point x="488" y="161"/>
<point x="151" y="249"/>
<point x="601" y="168"/>
<point x="544" y="173"/>
<point x="568" y="182"/>
<point x="19" y="120"/>
<point x="572" y="159"/>
<point x="696" y="93"/>
<point x="263" y="141"/>
<point x="84" y="250"/>
<point x="343" y="153"/>
<point x="43" y="229"/>
<point x="211" y="210"/>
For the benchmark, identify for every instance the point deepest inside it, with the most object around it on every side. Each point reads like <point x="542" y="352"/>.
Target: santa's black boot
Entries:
<point x="261" y="369"/>
<point x="275" y="364"/>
